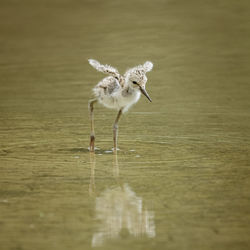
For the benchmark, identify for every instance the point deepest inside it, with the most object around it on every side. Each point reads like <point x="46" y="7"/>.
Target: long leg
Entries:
<point x="115" y="129"/>
<point x="92" y="132"/>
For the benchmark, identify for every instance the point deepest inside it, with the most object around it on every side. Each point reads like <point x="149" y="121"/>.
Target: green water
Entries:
<point x="181" y="179"/>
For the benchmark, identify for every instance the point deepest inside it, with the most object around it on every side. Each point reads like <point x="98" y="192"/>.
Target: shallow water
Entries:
<point x="181" y="179"/>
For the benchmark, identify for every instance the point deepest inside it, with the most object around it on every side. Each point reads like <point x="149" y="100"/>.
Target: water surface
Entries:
<point x="181" y="179"/>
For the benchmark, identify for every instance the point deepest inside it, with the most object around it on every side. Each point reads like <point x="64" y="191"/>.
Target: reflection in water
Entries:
<point x="118" y="209"/>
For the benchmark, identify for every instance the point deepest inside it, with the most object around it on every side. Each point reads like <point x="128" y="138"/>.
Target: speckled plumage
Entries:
<point x="118" y="91"/>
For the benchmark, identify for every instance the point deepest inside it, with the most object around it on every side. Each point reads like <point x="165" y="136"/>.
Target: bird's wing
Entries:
<point x="109" y="84"/>
<point x="106" y="69"/>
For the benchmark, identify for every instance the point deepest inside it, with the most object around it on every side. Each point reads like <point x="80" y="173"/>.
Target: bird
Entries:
<point x="118" y="92"/>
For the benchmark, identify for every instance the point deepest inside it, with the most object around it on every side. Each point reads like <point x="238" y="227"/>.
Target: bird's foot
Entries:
<point x="115" y="149"/>
<point x="93" y="149"/>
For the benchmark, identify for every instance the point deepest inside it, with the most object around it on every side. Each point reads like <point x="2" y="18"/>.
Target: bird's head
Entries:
<point x="136" y="78"/>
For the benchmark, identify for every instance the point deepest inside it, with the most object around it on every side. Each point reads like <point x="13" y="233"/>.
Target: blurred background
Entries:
<point x="181" y="179"/>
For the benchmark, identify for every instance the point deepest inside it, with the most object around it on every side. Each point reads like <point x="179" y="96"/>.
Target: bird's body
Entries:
<point x="118" y="92"/>
<point x="112" y="94"/>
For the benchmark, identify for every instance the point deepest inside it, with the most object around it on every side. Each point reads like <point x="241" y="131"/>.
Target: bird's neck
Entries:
<point x="129" y="90"/>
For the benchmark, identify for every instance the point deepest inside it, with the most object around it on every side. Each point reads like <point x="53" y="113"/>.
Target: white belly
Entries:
<point x="118" y="101"/>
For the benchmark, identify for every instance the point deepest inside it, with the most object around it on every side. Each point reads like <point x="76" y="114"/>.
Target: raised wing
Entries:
<point x="106" y="69"/>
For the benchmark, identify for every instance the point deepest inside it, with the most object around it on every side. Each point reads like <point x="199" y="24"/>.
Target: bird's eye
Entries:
<point x="134" y="82"/>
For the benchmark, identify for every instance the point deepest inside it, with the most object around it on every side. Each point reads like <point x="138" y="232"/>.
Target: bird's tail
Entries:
<point x="106" y="69"/>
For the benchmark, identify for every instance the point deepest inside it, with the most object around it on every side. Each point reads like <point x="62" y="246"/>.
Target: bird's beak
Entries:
<point x="144" y="92"/>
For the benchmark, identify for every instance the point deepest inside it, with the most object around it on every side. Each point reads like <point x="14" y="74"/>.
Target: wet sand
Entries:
<point x="181" y="179"/>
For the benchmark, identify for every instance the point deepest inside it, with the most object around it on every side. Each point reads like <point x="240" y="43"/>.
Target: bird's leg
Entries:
<point x="92" y="133"/>
<point x="115" y="129"/>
